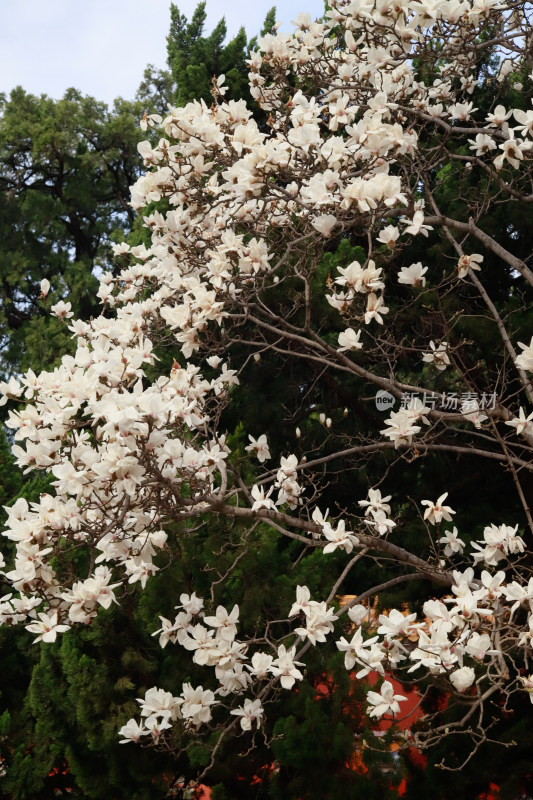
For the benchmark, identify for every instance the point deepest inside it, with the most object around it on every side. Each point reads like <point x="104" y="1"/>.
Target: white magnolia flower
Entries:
<point x="191" y="604"/>
<point x="366" y="653"/>
<point x="436" y="512"/>
<point x="375" y="307"/>
<point x="498" y="542"/>
<point x="155" y="726"/>
<point x="375" y="502"/>
<point x="438" y="356"/>
<point x="521" y="424"/>
<point x="416" y="225"/>
<point x="224" y="622"/>
<point x="251" y="711"/>
<point x="9" y="391"/>
<point x="400" y="428"/>
<point x="132" y="732"/>
<point x="47" y="627"/>
<point x="525" y="359"/>
<point x="471" y="411"/>
<point x="62" y="310"/>
<point x="303" y="601"/>
<point x="196" y="704"/>
<point x="452" y="542"/>
<point x="461" y="111"/>
<point x="380" y="523"/>
<point x="150" y="121"/>
<point x="463" y="678"/>
<point x="358" y="613"/>
<point x="472" y="261"/>
<point x="525" y="118"/>
<point x="385" y="702"/>
<point x="506" y="67"/>
<point x="498" y="117"/>
<point x="259" y="447"/>
<point x="481" y="144"/>
<point x="479" y="645"/>
<point x="262" y="500"/>
<point x="413" y="275"/>
<point x="318" y="623"/>
<point x="338" y="537"/>
<point x="349" y="340"/>
<point x="512" y="151"/>
<point x="260" y="665"/>
<point x="324" y="224"/>
<point x="389" y="236"/>
<point x="285" y="667"/>
<point x="527" y="682"/>
<point x="158" y="703"/>
<point x="395" y="623"/>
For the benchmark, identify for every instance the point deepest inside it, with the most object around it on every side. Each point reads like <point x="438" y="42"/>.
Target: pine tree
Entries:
<point x="194" y="59"/>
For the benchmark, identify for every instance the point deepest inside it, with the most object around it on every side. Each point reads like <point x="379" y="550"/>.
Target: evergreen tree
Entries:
<point x="194" y="59"/>
<point x="65" y="171"/>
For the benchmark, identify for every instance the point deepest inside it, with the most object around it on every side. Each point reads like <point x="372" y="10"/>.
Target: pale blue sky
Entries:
<point x="102" y="46"/>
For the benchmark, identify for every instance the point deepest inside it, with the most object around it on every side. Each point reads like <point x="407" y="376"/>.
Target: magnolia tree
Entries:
<point x="403" y="126"/>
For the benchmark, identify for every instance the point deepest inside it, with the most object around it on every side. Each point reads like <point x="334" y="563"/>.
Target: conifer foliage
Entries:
<point x="193" y="58"/>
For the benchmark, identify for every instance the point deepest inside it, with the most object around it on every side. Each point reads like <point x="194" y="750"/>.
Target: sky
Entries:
<point x="101" y="47"/>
